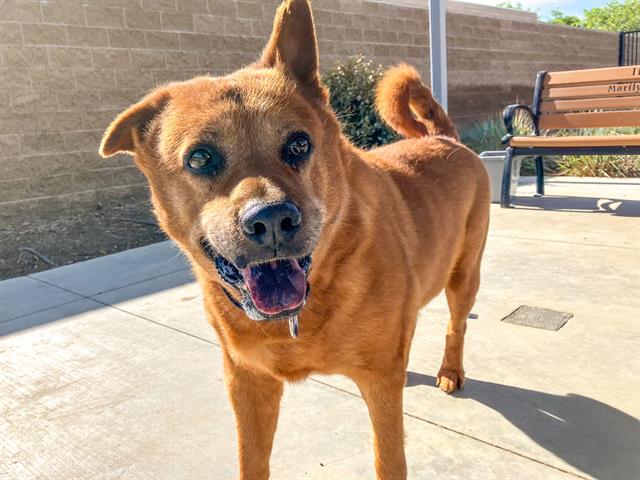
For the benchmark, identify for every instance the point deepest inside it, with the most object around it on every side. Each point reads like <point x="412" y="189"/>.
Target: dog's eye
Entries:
<point x="204" y="160"/>
<point x="297" y="149"/>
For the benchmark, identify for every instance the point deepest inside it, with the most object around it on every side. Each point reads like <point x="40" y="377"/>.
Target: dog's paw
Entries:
<point x="450" y="380"/>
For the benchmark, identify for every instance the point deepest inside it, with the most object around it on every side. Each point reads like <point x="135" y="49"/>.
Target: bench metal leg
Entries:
<point x="505" y="195"/>
<point x="539" y="176"/>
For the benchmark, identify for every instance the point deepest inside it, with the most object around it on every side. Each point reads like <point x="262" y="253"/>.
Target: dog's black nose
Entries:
<point x="271" y="223"/>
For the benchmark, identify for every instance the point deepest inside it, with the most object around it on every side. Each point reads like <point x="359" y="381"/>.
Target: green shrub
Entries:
<point x="352" y="87"/>
<point x="485" y="135"/>
<point x="603" y="165"/>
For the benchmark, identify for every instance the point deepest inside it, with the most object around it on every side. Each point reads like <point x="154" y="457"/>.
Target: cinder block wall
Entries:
<point x="67" y="67"/>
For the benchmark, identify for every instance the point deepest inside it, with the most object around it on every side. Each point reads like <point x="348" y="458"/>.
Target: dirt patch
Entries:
<point x="28" y="243"/>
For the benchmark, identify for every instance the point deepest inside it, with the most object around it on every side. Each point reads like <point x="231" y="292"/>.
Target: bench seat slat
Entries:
<point x="589" y="104"/>
<point x="594" y="75"/>
<point x="594" y="91"/>
<point x="619" y="118"/>
<point x="577" y="141"/>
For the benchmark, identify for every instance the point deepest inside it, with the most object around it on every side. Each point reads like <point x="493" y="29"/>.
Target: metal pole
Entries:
<point x="438" y="47"/>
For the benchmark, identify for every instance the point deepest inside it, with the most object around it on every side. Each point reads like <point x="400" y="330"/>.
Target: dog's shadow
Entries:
<point x="595" y="438"/>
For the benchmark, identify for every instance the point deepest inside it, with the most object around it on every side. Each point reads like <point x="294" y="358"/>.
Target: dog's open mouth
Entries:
<point x="276" y="286"/>
<point x="274" y="289"/>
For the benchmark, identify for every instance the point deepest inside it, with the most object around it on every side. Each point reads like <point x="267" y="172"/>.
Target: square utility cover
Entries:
<point x="538" y="317"/>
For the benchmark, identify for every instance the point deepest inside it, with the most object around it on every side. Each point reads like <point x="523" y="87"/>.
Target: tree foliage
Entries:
<point x="615" y="16"/>
<point x="513" y="6"/>
<point x="558" y="17"/>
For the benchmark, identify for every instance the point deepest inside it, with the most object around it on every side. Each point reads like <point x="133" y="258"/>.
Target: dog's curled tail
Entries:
<point x="407" y="105"/>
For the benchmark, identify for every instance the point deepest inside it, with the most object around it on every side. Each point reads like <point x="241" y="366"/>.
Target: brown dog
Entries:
<point x="250" y="175"/>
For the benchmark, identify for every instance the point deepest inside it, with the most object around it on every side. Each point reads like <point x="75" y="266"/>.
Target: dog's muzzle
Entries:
<point x="270" y="274"/>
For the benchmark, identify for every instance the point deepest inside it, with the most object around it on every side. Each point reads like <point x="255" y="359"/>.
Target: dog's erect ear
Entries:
<point x="129" y="128"/>
<point x="293" y="46"/>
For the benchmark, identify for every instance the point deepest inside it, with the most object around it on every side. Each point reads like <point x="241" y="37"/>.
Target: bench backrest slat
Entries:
<point x="589" y="104"/>
<point x="595" y="75"/>
<point x="601" y="97"/>
<point x="624" y="118"/>
<point x="590" y="91"/>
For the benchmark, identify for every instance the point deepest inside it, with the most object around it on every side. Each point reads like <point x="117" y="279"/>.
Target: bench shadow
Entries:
<point x="595" y="438"/>
<point x="603" y="205"/>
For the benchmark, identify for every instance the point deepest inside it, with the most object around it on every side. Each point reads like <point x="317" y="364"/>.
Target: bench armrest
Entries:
<point x="509" y="114"/>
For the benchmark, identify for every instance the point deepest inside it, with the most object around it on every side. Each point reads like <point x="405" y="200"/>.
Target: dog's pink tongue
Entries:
<point x="276" y="286"/>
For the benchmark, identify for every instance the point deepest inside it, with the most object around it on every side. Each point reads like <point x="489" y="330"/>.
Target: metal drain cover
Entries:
<point x="538" y="317"/>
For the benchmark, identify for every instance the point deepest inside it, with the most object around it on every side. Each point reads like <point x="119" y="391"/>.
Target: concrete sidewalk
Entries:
<point x="108" y="368"/>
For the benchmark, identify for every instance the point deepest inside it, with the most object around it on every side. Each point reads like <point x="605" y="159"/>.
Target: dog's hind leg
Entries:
<point x="256" y="403"/>
<point x="461" y="290"/>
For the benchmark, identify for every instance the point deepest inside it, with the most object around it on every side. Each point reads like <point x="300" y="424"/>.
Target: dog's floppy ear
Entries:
<point x="293" y="46"/>
<point x="129" y="128"/>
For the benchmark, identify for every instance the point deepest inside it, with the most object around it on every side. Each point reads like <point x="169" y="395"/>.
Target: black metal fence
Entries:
<point x="629" y="48"/>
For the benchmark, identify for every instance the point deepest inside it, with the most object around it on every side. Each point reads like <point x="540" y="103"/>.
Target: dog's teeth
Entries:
<point x="293" y="326"/>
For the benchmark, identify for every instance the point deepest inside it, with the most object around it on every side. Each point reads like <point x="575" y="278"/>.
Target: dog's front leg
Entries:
<point x="255" y="398"/>
<point x="383" y="394"/>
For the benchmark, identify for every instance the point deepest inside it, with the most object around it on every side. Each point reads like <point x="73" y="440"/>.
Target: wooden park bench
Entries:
<point x="579" y="99"/>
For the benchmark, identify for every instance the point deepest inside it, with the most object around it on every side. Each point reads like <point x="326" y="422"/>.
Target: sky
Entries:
<point x="544" y="7"/>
